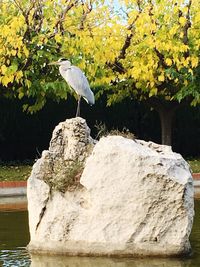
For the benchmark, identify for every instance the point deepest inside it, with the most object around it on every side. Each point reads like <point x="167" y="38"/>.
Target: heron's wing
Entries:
<point x="77" y="80"/>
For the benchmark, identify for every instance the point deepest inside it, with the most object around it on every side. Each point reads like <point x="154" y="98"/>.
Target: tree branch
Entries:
<point x="186" y="28"/>
<point x="158" y="53"/>
<point x="38" y="16"/>
<point x="117" y="65"/>
<point x="89" y="8"/>
<point x="61" y="18"/>
<point x="20" y="7"/>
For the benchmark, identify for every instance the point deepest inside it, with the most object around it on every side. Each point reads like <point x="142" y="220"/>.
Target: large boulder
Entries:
<point x="133" y="198"/>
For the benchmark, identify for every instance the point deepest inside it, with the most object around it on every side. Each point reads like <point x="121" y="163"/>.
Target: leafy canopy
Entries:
<point x="144" y="48"/>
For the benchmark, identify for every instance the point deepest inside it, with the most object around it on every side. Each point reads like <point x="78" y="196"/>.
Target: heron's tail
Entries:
<point x="90" y="98"/>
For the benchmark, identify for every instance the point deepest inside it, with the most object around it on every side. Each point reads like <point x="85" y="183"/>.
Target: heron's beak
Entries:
<point x="54" y="63"/>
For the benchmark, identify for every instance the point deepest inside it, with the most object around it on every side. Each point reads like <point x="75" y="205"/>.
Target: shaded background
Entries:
<point x="24" y="136"/>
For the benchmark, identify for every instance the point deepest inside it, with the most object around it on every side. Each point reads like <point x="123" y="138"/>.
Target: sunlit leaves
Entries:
<point x="154" y="44"/>
<point x="3" y="69"/>
<point x="168" y="61"/>
<point x="182" y="21"/>
<point x="164" y="50"/>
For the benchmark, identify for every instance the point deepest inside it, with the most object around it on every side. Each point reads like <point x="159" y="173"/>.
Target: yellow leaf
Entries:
<point x="153" y="91"/>
<point x="197" y="18"/>
<point x="5" y="80"/>
<point x="173" y="30"/>
<point x="3" y="69"/>
<point x="13" y="52"/>
<point x="58" y="38"/>
<point x="19" y="74"/>
<point x="185" y="9"/>
<point x="28" y="83"/>
<point x="194" y="61"/>
<point x="26" y="52"/>
<point x="168" y="61"/>
<point x="152" y="84"/>
<point x="190" y="71"/>
<point x="138" y="84"/>
<point x="19" y="54"/>
<point x="161" y="78"/>
<point x="182" y="21"/>
<point x="20" y="95"/>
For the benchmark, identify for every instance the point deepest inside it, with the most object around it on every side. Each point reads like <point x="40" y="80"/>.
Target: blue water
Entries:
<point x="14" y="236"/>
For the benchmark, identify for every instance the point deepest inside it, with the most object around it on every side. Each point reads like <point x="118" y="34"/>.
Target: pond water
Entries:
<point x="14" y="237"/>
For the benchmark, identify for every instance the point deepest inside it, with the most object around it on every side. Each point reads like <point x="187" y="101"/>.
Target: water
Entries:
<point x="195" y="235"/>
<point x="14" y="236"/>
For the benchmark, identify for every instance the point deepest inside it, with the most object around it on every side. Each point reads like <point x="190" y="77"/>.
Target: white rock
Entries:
<point x="136" y="199"/>
<point x="70" y="138"/>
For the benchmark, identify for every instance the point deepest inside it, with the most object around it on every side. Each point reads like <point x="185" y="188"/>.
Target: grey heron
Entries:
<point x="77" y="80"/>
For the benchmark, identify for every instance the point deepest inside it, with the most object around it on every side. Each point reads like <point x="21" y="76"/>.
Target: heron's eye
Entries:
<point x="62" y="59"/>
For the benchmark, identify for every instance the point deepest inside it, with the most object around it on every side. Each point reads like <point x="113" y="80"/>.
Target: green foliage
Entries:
<point x="33" y="33"/>
<point x="151" y="49"/>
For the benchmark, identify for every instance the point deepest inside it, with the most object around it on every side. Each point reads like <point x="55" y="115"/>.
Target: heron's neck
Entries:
<point x="64" y="68"/>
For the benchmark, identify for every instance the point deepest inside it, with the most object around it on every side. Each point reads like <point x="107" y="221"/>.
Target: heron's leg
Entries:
<point x="78" y="107"/>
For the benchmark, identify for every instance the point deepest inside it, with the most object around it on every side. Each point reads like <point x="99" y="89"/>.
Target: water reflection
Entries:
<point x="14" y="232"/>
<point x="47" y="261"/>
<point x="13" y="203"/>
<point x="14" y="236"/>
<point x="195" y="235"/>
<point x="12" y="258"/>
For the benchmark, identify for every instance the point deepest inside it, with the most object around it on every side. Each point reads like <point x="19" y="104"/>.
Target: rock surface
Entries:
<point x="135" y="198"/>
<point x="69" y="147"/>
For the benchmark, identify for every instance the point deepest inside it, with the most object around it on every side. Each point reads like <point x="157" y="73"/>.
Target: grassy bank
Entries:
<point x="194" y="164"/>
<point x="21" y="171"/>
<point x="14" y="172"/>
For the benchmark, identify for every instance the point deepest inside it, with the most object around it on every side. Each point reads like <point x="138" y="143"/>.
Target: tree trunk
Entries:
<point x="166" y="111"/>
<point x="166" y="119"/>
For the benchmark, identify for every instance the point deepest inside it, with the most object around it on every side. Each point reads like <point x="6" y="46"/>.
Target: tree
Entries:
<point x="146" y="49"/>
<point x="159" y="56"/>
<point x="33" y="33"/>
